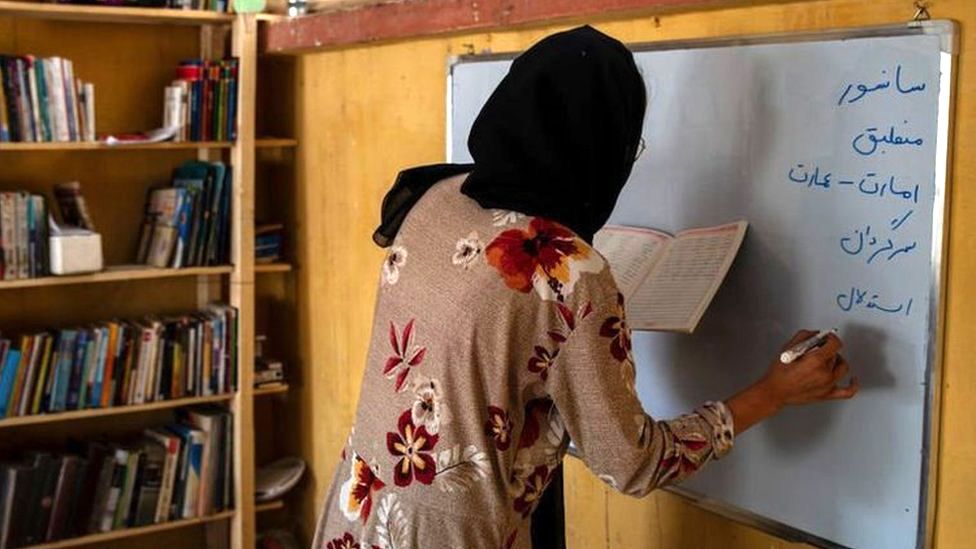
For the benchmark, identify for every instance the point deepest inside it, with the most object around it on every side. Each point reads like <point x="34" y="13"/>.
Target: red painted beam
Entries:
<point x="412" y="18"/>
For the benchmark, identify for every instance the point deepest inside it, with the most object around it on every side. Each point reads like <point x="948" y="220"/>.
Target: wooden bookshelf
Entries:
<point x="269" y="506"/>
<point x="113" y="535"/>
<point x="276" y="142"/>
<point x="272" y="267"/>
<point x="76" y="415"/>
<point x="115" y="187"/>
<point x="101" y="146"/>
<point x="105" y="14"/>
<point x="113" y="275"/>
<point x="264" y="143"/>
<point x="273" y="390"/>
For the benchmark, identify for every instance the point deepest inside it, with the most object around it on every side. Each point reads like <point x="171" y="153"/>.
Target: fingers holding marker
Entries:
<point x="841" y="368"/>
<point x="798" y="337"/>
<point x="843" y="393"/>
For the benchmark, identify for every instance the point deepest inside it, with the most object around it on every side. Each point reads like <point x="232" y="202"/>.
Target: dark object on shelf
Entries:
<point x="275" y="479"/>
<point x="71" y="203"/>
<point x="266" y="370"/>
<point x="277" y="539"/>
<point x="267" y="247"/>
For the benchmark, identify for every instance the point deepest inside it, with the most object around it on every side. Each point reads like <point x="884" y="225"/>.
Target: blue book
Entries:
<point x="184" y="223"/>
<point x="211" y="256"/>
<point x="7" y="377"/>
<point x="96" y="394"/>
<point x="189" y="485"/>
<point x="75" y="381"/>
<point x="223" y="219"/>
<point x="91" y="352"/>
<point x="66" y="353"/>
<point x="42" y="99"/>
<point x="192" y="176"/>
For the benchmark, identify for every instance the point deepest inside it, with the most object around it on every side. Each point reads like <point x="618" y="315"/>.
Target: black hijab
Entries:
<point x="556" y="139"/>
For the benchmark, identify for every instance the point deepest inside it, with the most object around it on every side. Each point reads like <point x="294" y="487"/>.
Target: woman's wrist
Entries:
<point x="753" y="405"/>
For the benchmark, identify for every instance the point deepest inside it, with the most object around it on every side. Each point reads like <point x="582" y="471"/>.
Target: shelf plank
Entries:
<point x="275" y="142"/>
<point x="133" y="532"/>
<point x="272" y="390"/>
<point x="100" y="146"/>
<point x="269" y="506"/>
<point x="272" y="267"/>
<point x="114" y="276"/>
<point x="78" y="415"/>
<point x="105" y="14"/>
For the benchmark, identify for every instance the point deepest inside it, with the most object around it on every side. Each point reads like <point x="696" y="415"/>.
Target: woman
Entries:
<point x="499" y="333"/>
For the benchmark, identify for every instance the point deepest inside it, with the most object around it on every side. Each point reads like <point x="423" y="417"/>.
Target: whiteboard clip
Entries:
<point x="921" y="11"/>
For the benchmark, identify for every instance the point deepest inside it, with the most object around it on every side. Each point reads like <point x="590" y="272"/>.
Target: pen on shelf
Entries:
<point x="805" y="346"/>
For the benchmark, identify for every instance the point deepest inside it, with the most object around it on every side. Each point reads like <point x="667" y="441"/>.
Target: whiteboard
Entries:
<point x="834" y="147"/>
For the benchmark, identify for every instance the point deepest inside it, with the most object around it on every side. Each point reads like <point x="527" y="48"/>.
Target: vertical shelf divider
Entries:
<point x="244" y="46"/>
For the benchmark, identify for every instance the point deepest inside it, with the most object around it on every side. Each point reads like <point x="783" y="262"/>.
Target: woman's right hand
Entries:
<point x="814" y="377"/>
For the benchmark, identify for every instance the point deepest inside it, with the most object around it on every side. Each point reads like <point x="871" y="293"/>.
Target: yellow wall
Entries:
<point x="368" y="111"/>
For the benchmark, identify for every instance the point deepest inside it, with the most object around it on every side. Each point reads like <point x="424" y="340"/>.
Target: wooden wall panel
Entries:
<point x="368" y="111"/>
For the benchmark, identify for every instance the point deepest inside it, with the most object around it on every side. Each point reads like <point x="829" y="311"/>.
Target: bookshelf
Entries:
<point x="275" y="390"/>
<point x="111" y="14"/>
<point x="128" y="533"/>
<point x="276" y="307"/>
<point x="40" y="419"/>
<point x="114" y="275"/>
<point x="272" y="267"/>
<point x="130" y="54"/>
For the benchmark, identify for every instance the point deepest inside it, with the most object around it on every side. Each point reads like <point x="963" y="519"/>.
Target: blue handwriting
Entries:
<point x="862" y="90"/>
<point x="857" y="298"/>
<point x="867" y="142"/>
<point x="862" y="241"/>
<point x="869" y="184"/>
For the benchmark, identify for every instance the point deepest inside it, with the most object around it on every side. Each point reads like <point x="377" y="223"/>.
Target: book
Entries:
<point x="47" y="468"/>
<point x="669" y="281"/>
<point x="165" y="207"/>
<point x="191" y="465"/>
<point x="18" y="485"/>
<point x="130" y="474"/>
<point x="72" y="205"/>
<point x="171" y="445"/>
<point x="119" y="465"/>
<point x="149" y="482"/>
<point x="7" y="379"/>
<point x="65" y="492"/>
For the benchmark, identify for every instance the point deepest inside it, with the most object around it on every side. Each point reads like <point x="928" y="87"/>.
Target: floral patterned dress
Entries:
<point x="497" y="339"/>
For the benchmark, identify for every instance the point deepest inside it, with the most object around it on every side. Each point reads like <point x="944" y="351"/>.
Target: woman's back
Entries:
<point x="495" y="336"/>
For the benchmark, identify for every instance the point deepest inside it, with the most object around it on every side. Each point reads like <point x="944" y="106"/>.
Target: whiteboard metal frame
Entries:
<point x="948" y="30"/>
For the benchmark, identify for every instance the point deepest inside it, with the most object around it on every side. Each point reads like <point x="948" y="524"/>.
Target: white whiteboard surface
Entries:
<point x="833" y="147"/>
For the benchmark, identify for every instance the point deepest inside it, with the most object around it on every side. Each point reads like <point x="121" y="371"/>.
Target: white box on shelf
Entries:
<point x="75" y="251"/>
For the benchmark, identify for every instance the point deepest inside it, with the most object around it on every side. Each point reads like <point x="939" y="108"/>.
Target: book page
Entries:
<point x="681" y="286"/>
<point x="631" y="252"/>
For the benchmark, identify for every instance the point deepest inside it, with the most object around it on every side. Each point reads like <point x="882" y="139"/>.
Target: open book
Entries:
<point x="669" y="281"/>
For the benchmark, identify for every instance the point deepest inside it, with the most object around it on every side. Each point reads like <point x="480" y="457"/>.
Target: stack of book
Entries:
<point x="267" y="245"/>
<point x="120" y="362"/>
<point x="23" y="236"/>
<point x="188" y="223"/>
<point x="177" y="471"/>
<point x="40" y="100"/>
<point x="202" y="101"/>
<point x="220" y="6"/>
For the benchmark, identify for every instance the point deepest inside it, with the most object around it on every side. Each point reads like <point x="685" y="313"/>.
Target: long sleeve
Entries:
<point x="591" y="382"/>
